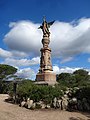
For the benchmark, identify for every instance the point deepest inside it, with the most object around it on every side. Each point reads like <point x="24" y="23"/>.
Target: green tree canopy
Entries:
<point x="6" y="70"/>
<point x="78" y="78"/>
<point x="66" y="79"/>
<point x="81" y="72"/>
<point x="81" y="75"/>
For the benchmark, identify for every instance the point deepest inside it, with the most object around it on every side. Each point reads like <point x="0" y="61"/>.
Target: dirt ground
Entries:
<point x="14" y="112"/>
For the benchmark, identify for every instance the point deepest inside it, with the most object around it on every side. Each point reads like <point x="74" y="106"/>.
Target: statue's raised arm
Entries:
<point x="45" y="27"/>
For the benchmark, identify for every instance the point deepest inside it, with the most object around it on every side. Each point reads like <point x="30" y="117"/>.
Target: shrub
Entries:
<point x="37" y="92"/>
<point x="83" y="92"/>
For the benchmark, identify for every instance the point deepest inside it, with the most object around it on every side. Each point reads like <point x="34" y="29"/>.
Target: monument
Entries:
<point x="45" y="74"/>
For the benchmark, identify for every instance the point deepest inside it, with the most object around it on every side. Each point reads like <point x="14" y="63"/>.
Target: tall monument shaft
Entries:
<point x="45" y="73"/>
<point x="45" y="60"/>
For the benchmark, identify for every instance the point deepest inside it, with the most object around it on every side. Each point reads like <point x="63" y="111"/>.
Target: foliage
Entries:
<point x="37" y="92"/>
<point x="81" y="76"/>
<point x="2" y="87"/>
<point x="66" y="79"/>
<point x="5" y="70"/>
<point x="81" y="72"/>
<point x="77" y="79"/>
<point x="83" y="92"/>
<point x="27" y="89"/>
<point x="79" y="82"/>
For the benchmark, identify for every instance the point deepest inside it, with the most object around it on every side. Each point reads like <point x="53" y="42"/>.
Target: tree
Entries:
<point x="82" y="77"/>
<point x="81" y="72"/>
<point x="78" y="78"/>
<point x="5" y="70"/>
<point x="66" y="79"/>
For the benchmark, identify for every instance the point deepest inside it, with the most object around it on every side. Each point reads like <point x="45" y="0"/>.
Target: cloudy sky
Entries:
<point x="20" y="38"/>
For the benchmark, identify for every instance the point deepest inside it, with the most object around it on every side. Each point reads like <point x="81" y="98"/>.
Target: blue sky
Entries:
<point x="20" y="40"/>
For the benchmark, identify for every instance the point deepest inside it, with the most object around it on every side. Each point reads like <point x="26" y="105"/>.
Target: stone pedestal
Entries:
<point x="46" y="78"/>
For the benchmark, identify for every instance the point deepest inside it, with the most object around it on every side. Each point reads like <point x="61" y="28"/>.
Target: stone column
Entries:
<point x="45" y="60"/>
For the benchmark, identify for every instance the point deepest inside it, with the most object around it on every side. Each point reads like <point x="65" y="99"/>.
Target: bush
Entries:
<point x="27" y="89"/>
<point x="83" y="92"/>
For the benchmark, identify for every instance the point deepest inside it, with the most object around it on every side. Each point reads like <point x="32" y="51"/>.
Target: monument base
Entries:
<point x="46" y="78"/>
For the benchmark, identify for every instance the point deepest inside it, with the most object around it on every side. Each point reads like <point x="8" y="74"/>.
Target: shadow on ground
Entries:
<point x="77" y="118"/>
<point x="86" y="114"/>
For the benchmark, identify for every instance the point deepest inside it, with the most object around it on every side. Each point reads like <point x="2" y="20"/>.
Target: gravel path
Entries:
<point x="14" y="112"/>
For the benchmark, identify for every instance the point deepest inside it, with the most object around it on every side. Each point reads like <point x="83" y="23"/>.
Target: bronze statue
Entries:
<point x="45" y="27"/>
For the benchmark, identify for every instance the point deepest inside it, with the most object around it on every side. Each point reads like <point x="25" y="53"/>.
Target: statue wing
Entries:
<point x="41" y="27"/>
<point x="50" y="23"/>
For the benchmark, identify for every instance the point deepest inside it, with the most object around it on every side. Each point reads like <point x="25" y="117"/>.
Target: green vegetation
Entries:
<point x="83" y="93"/>
<point x="37" y="92"/>
<point x="79" y="78"/>
<point x="27" y="89"/>
<point x="5" y="71"/>
<point x="79" y="82"/>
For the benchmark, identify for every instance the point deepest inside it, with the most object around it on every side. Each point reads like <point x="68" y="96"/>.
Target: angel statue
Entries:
<point x="45" y="27"/>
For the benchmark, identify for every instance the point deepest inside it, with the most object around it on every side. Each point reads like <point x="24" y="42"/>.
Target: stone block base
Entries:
<point x="46" y="78"/>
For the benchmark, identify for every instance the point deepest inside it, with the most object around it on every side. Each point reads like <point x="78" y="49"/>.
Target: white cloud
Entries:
<point x="26" y="73"/>
<point x="5" y="53"/>
<point x="29" y="73"/>
<point x="22" y="62"/>
<point x="18" y="54"/>
<point x="89" y="72"/>
<point x="11" y="54"/>
<point x="24" y="36"/>
<point x="58" y="70"/>
<point x="67" y="39"/>
<point x="71" y="39"/>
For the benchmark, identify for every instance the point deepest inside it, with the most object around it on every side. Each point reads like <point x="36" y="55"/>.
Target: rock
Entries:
<point x="72" y="104"/>
<point x="67" y="91"/>
<point x="43" y="106"/>
<point x="65" y="96"/>
<point x="59" y="103"/>
<point x="23" y="104"/>
<point x="74" y="100"/>
<point x="64" y="103"/>
<point x="55" y="102"/>
<point x="41" y="103"/>
<point x="48" y="106"/>
<point x="33" y="106"/>
<point x="29" y="103"/>
<point x="38" y="105"/>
